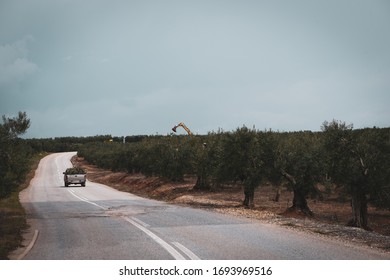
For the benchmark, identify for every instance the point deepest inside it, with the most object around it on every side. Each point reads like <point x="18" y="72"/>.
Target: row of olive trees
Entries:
<point x="167" y="157"/>
<point x="14" y="153"/>
<point x="357" y="160"/>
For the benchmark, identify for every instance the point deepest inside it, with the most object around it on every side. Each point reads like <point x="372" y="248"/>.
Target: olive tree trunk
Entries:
<point x="299" y="199"/>
<point x="359" y="208"/>
<point x="249" y="193"/>
<point x="201" y="183"/>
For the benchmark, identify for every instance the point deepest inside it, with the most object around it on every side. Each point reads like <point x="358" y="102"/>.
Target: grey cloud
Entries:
<point x="138" y="67"/>
<point x="15" y="65"/>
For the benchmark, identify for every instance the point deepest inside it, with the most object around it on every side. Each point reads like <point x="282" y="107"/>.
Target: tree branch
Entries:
<point x="288" y="177"/>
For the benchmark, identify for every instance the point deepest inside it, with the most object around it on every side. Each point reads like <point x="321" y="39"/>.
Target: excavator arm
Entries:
<point x="183" y="126"/>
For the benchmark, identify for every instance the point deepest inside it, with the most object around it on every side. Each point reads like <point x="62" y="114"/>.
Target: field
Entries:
<point x="330" y="214"/>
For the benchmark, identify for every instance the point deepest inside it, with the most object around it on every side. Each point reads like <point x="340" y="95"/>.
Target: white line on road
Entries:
<point x="186" y="251"/>
<point x="140" y="222"/>
<point x="174" y="253"/>
<point x="86" y="200"/>
<point x="30" y="246"/>
<point x="142" y="226"/>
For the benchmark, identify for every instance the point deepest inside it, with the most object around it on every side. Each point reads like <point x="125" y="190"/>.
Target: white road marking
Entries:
<point x="86" y="200"/>
<point x="186" y="251"/>
<point x="140" y="222"/>
<point x="174" y="253"/>
<point x="143" y="226"/>
<point x="30" y="246"/>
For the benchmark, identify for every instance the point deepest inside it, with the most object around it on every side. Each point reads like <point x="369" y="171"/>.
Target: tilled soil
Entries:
<point x="329" y="220"/>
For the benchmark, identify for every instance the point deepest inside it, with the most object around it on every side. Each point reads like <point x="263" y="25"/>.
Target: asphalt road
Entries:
<point x="98" y="222"/>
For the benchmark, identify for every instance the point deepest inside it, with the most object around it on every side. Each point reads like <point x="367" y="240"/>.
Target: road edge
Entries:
<point x="30" y="246"/>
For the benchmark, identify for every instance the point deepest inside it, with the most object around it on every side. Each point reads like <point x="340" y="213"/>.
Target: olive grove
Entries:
<point x="355" y="160"/>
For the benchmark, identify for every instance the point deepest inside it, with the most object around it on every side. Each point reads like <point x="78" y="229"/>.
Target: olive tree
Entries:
<point x="241" y="159"/>
<point x="298" y="160"/>
<point x="205" y="158"/>
<point x="358" y="160"/>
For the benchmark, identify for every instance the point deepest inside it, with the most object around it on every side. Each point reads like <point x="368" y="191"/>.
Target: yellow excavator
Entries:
<point x="183" y="126"/>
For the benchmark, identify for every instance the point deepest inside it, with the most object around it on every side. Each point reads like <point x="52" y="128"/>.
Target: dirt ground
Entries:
<point x="330" y="215"/>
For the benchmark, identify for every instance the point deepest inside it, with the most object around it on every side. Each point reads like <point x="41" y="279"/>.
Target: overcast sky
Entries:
<point x="130" y="67"/>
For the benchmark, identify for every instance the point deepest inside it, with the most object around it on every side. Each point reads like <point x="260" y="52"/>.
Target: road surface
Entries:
<point x="98" y="222"/>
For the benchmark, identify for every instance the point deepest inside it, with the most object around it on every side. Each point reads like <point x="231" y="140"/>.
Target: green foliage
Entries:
<point x="205" y="157"/>
<point x="168" y="157"/>
<point x="242" y="157"/>
<point x="65" y="144"/>
<point x="376" y="149"/>
<point x="299" y="155"/>
<point x="359" y="159"/>
<point x="250" y="156"/>
<point x="356" y="160"/>
<point x="75" y="170"/>
<point x="14" y="153"/>
<point x="13" y="127"/>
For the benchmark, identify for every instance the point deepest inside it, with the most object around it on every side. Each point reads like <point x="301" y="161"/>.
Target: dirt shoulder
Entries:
<point x="329" y="220"/>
